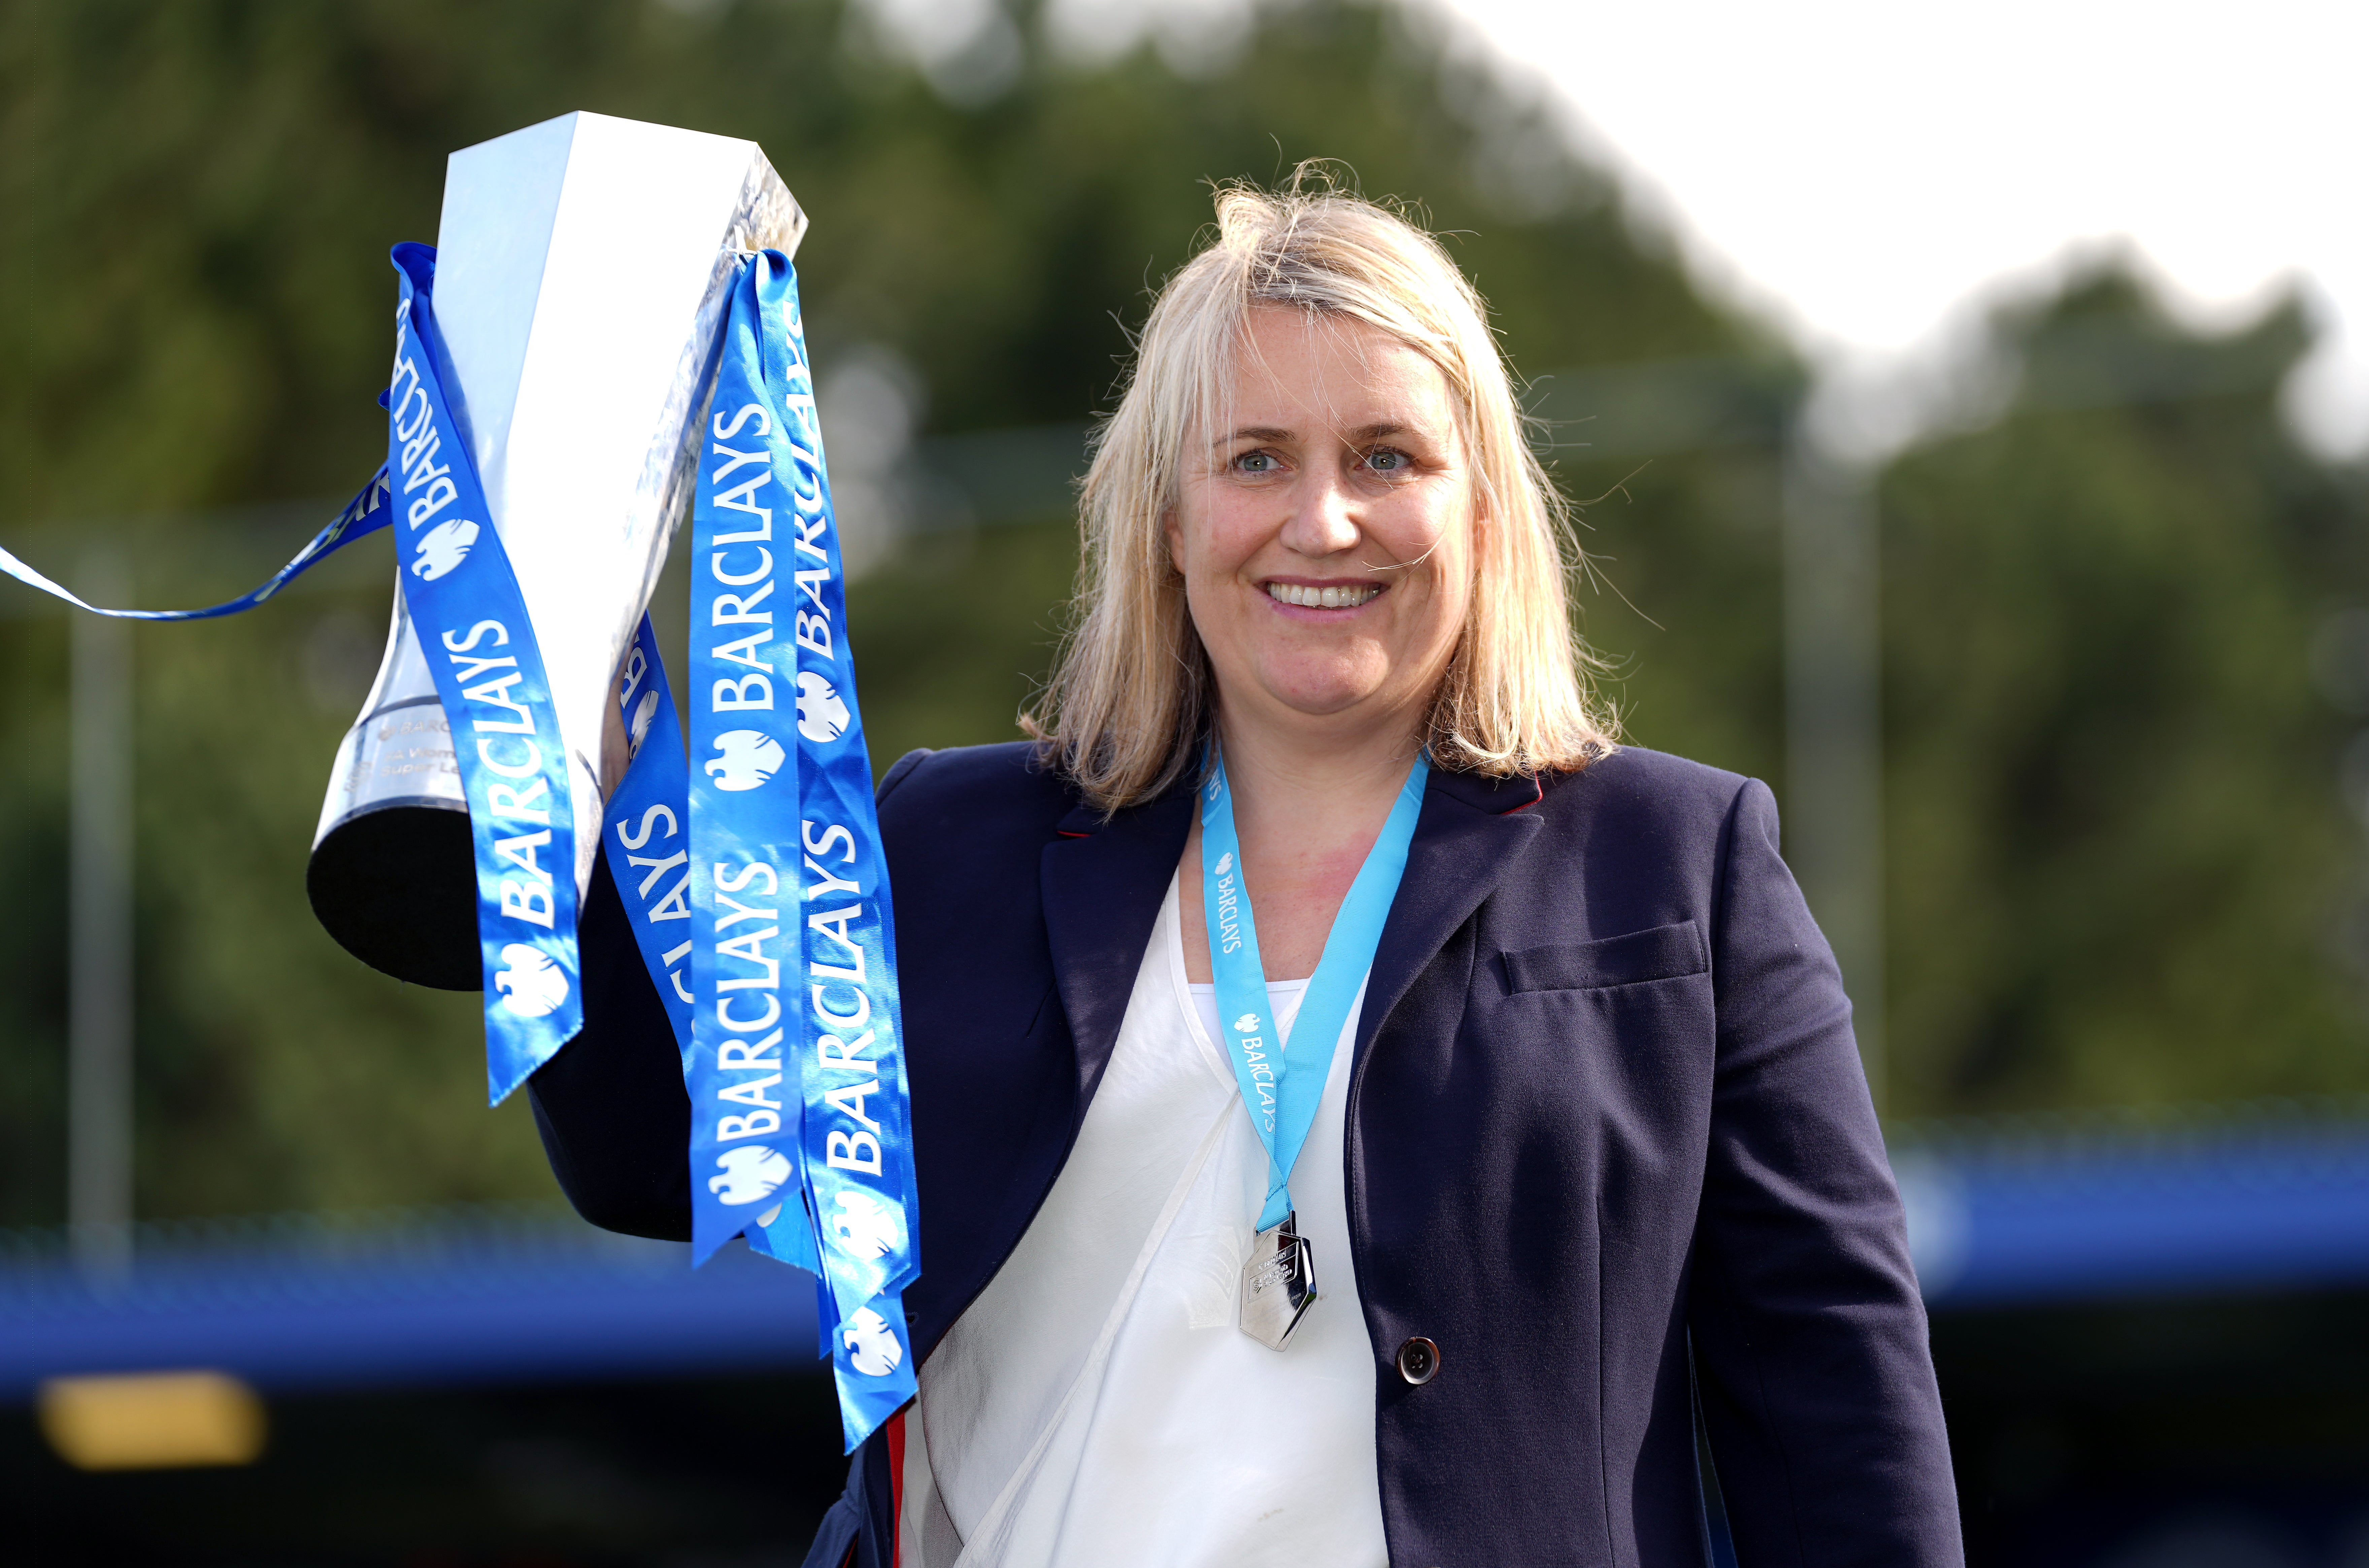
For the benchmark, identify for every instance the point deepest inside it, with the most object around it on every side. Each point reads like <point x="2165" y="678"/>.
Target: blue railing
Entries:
<point x="2017" y="1210"/>
<point x="497" y="1293"/>
<point x="2272" y="1195"/>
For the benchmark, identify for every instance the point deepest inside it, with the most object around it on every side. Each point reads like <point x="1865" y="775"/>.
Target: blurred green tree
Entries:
<point x="2117" y="857"/>
<point x="2120" y="866"/>
<point x="195" y="206"/>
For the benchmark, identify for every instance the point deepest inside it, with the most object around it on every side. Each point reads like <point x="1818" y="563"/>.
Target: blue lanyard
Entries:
<point x="1282" y="1080"/>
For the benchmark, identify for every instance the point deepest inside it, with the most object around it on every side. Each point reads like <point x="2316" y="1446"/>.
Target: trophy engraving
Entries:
<point x="1278" y="1284"/>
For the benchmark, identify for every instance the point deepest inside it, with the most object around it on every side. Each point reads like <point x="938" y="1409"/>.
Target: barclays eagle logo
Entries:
<point x="533" y="985"/>
<point x="443" y="547"/>
<point x="1225" y="862"/>
<point x="644" y="711"/>
<point x="821" y="715"/>
<point x="751" y="1173"/>
<point x="1246" y="1023"/>
<point x="872" y="1346"/>
<point x="865" y="1227"/>
<point x="748" y="758"/>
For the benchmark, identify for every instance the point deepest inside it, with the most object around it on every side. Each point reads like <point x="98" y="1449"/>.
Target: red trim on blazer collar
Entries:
<point x="1498" y="797"/>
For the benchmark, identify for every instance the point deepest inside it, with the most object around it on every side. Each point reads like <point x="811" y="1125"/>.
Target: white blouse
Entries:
<point x="1096" y="1404"/>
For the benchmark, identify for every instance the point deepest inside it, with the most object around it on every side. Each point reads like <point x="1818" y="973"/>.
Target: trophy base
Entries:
<point x="397" y="887"/>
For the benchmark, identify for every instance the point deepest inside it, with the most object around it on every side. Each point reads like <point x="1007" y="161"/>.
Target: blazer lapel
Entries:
<point x="1102" y="882"/>
<point x="1471" y="830"/>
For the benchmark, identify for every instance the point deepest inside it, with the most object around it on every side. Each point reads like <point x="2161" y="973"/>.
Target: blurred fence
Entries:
<point x="2270" y="1195"/>
<point x="2273" y="1196"/>
<point x="499" y="1293"/>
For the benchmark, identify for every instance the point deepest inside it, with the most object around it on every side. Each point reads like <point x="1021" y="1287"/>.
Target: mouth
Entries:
<point x="1321" y="596"/>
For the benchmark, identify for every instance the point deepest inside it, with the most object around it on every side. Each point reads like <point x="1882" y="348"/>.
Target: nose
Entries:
<point x="1323" y="520"/>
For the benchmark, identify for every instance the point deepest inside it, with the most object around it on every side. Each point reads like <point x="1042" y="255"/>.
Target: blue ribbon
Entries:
<point x="367" y="513"/>
<point x="755" y="879"/>
<point x="1282" y="1080"/>
<point x="480" y="647"/>
<point x="473" y="630"/>
<point x="646" y="835"/>
<point x="799" y="1108"/>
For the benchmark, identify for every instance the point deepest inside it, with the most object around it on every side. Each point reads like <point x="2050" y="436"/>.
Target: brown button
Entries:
<point x="1418" y="1361"/>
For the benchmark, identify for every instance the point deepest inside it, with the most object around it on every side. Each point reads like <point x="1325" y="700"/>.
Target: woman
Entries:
<point x="1575" y="1143"/>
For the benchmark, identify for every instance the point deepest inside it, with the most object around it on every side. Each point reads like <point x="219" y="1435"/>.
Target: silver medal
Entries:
<point x="1278" y="1284"/>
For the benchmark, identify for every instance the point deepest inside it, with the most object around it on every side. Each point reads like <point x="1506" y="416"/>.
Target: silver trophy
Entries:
<point x="583" y="268"/>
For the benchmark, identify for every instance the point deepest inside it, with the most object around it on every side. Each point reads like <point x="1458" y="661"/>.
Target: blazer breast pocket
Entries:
<point x="1664" y="953"/>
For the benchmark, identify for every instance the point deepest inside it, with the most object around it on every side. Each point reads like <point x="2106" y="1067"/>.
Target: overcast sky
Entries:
<point x="1868" y="172"/>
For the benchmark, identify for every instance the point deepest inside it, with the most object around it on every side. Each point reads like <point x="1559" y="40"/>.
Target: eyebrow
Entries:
<point x="1277" y="433"/>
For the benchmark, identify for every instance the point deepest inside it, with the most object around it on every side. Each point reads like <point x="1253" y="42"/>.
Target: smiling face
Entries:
<point x="1326" y="531"/>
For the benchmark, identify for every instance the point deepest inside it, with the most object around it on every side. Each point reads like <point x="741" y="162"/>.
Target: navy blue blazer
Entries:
<point x="1605" y="1108"/>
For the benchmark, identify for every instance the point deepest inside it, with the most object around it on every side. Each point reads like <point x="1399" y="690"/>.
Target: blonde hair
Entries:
<point x="1132" y="692"/>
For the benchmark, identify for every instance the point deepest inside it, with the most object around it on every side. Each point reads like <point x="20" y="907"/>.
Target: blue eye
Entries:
<point x="1387" y="461"/>
<point x="1255" y="463"/>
